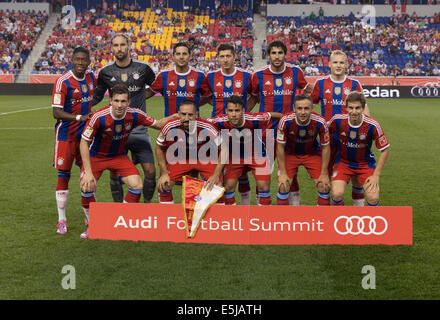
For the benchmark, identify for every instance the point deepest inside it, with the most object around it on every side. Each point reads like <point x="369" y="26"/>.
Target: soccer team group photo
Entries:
<point x="272" y="129"/>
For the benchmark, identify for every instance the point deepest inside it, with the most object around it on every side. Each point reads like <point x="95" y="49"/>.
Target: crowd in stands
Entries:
<point x="18" y="33"/>
<point x="203" y="37"/>
<point x="397" y="45"/>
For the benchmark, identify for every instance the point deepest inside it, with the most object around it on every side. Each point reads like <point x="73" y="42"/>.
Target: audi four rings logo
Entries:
<point x="365" y="225"/>
<point x="425" y="91"/>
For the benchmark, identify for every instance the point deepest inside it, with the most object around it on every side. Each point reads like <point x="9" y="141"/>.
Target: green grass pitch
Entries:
<point x="33" y="255"/>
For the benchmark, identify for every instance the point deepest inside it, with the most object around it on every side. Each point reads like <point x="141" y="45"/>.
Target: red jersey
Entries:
<point x="74" y="96"/>
<point x="355" y="142"/>
<point x="109" y="134"/>
<point x="277" y="89"/>
<point x="177" y="87"/>
<point x="332" y="94"/>
<point x="251" y="122"/>
<point x="302" y="139"/>
<point x="222" y="86"/>
<point x="174" y="134"/>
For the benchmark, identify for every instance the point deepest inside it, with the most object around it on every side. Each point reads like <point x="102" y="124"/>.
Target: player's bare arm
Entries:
<point x="323" y="177"/>
<point x="149" y="93"/>
<point x="275" y="115"/>
<point x="88" y="181"/>
<point x="160" y="123"/>
<point x="283" y="178"/>
<point x="60" y="114"/>
<point x="215" y="178"/>
<point x="252" y="102"/>
<point x="164" y="182"/>
<point x="308" y="89"/>
<point x="99" y="92"/>
<point x="372" y="182"/>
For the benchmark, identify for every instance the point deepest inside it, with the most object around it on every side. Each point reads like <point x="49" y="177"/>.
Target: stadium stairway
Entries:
<point x="260" y="33"/>
<point x="39" y="47"/>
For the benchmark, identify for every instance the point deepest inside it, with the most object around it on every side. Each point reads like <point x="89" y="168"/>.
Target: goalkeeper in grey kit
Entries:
<point x="136" y="75"/>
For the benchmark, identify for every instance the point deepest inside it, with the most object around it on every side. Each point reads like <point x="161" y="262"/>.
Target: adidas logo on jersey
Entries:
<point x="268" y="83"/>
<point x="218" y="84"/>
<point x="113" y="79"/>
<point x="172" y="83"/>
<point x="327" y="91"/>
<point x="76" y="91"/>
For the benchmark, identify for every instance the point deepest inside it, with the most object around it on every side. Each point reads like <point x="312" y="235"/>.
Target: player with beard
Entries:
<point x="136" y="75"/>
<point x="182" y="82"/>
<point x="276" y="86"/>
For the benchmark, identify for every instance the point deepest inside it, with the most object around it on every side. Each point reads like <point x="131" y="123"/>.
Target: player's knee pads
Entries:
<point x="133" y="195"/>
<point x="86" y="198"/>
<point x="166" y="196"/>
<point x="264" y="198"/>
<point x="229" y="198"/>
<point x="357" y="193"/>
<point x="63" y="180"/>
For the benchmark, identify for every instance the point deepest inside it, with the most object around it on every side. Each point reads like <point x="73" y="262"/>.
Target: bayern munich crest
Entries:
<point x="238" y="84"/>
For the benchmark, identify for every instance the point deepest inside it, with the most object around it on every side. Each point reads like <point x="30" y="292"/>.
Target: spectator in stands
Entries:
<point x="321" y="13"/>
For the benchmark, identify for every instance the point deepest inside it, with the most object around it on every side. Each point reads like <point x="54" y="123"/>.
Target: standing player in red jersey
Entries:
<point x="223" y="83"/>
<point x="356" y="133"/>
<point x="178" y="83"/>
<point x="103" y="146"/>
<point x="244" y="155"/>
<point x="275" y="86"/>
<point x="136" y="75"/>
<point x="71" y="105"/>
<point x="178" y="151"/>
<point x="331" y="92"/>
<point x="297" y="145"/>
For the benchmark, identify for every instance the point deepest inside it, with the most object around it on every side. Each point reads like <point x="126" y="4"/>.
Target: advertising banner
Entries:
<point x="254" y="225"/>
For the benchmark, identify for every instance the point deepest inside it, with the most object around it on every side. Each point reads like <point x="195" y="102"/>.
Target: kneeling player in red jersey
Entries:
<point x="297" y="145"/>
<point x="245" y="131"/>
<point x="356" y="133"/>
<point x="103" y="146"/>
<point x="187" y="144"/>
